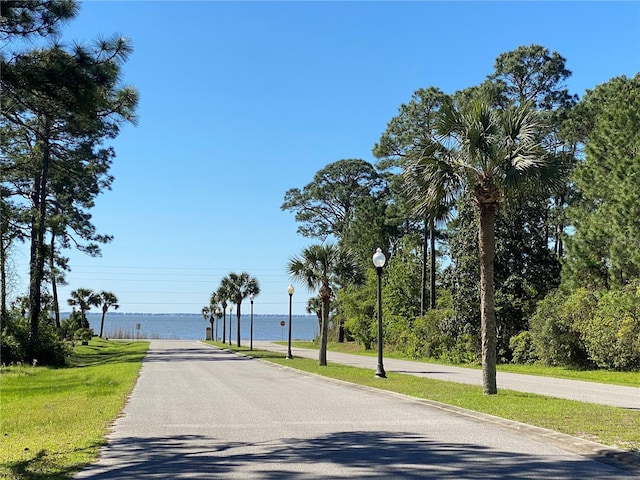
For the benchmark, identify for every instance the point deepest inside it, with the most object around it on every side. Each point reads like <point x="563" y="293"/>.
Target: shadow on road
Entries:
<point x="362" y="455"/>
<point x="190" y="354"/>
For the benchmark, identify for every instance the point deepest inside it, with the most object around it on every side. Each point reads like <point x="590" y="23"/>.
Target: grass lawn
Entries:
<point x="55" y="420"/>
<point x="611" y="426"/>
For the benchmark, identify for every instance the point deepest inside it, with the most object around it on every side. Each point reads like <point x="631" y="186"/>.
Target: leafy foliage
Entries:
<point x="603" y="250"/>
<point x="324" y="206"/>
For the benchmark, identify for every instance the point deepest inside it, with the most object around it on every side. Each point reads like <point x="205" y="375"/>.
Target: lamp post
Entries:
<point x="290" y="291"/>
<point x="230" y="310"/>
<point x="251" y="297"/>
<point x="224" y="321"/>
<point x="379" y="261"/>
<point x="217" y="311"/>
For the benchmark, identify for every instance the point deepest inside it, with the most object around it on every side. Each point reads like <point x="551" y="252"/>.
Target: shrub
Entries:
<point x="429" y="340"/>
<point x="612" y="335"/>
<point x="554" y="328"/>
<point x="48" y="348"/>
<point x="522" y="348"/>
<point x="13" y="339"/>
<point x="83" y="334"/>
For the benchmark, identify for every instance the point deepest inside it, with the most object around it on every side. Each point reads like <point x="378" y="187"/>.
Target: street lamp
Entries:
<point x="379" y="261"/>
<point x="230" y="310"/>
<point x="290" y="291"/>
<point x="251" y="297"/>
<point x="217" y="311"/>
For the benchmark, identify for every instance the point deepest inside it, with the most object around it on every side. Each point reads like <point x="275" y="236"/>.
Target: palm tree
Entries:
<point x="215" y="311"/>
<point x="106" y="300"/>
<point x="237" y="288"/>
<point x="493" y="153"/>
<point x="206" y="316"/>
<point x="84" y="299"/>
<point x="223" y="296"/>
<point x="320" y="266"/>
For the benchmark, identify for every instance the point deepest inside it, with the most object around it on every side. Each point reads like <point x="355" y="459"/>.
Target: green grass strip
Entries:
<point x="616" y="427"/>
<point x="55" y="420"/>
<point x="628" y="379"/>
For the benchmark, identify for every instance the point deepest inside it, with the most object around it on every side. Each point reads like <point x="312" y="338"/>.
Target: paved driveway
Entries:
<point x="200" y="412"/>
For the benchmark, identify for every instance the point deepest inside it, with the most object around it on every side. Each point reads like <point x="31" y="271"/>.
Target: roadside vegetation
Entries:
<point x="55" y="419"/>
<point x="616" y="427"/>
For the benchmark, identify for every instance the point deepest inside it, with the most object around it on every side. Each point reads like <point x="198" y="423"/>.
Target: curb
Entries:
<point x="622" y="459"/>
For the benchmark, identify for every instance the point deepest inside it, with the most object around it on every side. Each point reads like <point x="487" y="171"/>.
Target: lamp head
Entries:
<point x="379" y="259"/>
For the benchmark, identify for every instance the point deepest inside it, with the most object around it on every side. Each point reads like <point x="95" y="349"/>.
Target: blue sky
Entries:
<point x="240" y="101"/>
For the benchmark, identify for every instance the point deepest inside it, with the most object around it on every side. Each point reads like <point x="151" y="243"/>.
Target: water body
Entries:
<point x="182" y="326"/>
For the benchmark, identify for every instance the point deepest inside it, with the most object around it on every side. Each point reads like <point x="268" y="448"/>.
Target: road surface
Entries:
<point x="203" y="413"/>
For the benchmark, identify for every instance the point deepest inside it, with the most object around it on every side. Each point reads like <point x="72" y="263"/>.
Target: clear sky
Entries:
<point x="240" y="101"/>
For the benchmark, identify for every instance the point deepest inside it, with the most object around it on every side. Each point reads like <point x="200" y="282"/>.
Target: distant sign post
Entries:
<point x="282" y="324"/>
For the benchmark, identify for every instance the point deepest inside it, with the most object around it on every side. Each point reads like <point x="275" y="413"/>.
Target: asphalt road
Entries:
<point x="590" y="392"/>
<point x="204" y="413"/>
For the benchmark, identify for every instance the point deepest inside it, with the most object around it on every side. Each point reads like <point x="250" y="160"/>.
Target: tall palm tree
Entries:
<point x="320" y="266"/>
<point x="84" y="299"/>
<point x="215" y="312"/>
<point x="223" y="296"/>
<point x="106" y="300"/>
<point x="237" y="288"/>
<point x="493" y="153"/>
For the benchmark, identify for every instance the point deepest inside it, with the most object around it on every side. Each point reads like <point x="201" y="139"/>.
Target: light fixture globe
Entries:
<point x="379" y="259"/>
<point x="290" y="289"/>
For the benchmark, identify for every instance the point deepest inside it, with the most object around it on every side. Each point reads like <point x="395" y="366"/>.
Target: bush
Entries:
<point x="465" y="350"/>
<point x="554" y="328"/>
<point x="13" y="339"/>
<point x="522" y="348"/>
<point x="612" y="335"/>
<point x="48" y="347"/>
<point x="428" y="339"/>
<point x="69" y="325"/>
<point x="83" y="334"/>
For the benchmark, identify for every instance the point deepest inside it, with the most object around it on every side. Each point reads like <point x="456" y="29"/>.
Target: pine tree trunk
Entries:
<point x="423" y="280"/>
<point x="432" y="239"/>
<point x="486" y="243"/>
<point x="54" y="283"/>
<point x="36" y="254"/>
<point x="3" y="278"/>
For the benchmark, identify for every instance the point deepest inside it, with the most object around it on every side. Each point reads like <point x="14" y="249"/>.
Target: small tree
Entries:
<point x="106" y="300"/>
<point x="320" y="266"/>
<point x="84" y="299"/>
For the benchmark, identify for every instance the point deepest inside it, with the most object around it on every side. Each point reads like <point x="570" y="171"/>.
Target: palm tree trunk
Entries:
<point x="325" y="296"/>
<point x="238" y="336"/>
<point x="423" y="280"/>
<point x="104" y="312"/>
<point x="224" y="321"/>
<point x="486" y="243"/>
